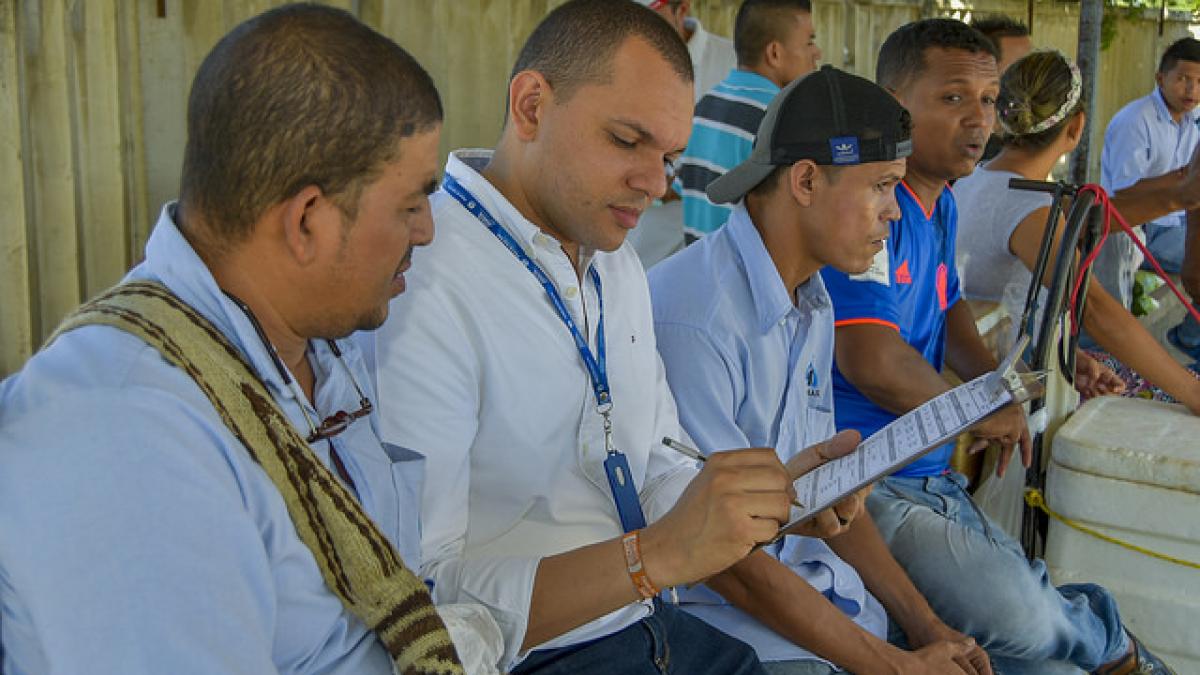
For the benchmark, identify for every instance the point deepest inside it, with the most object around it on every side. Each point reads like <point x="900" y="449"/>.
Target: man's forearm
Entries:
<point x="886" y="369"/>
<point x="772" y="593"/>
<point x="966" y="354"/>
<point x="1152" y="198"/>
<point x="560" y="603"/>
<point x="863" y="548"/>
<point x="1189" y="272"/>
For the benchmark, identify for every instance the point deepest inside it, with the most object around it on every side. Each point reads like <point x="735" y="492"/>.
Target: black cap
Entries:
<point x="828" y="116"/>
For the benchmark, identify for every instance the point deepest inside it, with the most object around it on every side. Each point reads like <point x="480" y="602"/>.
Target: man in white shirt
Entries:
<point x="660" y="230"/>
<point x="533" y="386"/>
<point x="712" y="55"/>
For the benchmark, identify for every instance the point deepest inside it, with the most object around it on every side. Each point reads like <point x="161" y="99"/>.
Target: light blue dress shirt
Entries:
<point x="136" y="533"/>
<point x="750" y="368"/>
<point x="1141" y="141"/>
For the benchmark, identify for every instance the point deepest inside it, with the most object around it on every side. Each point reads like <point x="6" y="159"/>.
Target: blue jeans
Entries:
<point x="1188" y="334"/>
<point x="807" y="667"/>
<point x="669" y="641"/>
<point x="977" y="579"/>
<point x="1166" y="243"/>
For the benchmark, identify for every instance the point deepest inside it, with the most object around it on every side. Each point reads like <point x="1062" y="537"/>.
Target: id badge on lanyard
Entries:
<point x="616" y="465"/>
<point x="620" y="481"/>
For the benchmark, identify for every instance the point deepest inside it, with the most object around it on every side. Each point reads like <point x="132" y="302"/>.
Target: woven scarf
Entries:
<point x="358" y="564"/>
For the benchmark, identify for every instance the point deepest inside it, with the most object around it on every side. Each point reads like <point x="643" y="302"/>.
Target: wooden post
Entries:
<point x="1091" y="14"/>
<point x="16" y="303"/>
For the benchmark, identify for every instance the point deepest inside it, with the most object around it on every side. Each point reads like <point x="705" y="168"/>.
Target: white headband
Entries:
<point x="1063" y="110"/>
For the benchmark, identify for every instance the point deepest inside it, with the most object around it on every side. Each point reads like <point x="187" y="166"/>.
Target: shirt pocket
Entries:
<point x="407" y="469"/>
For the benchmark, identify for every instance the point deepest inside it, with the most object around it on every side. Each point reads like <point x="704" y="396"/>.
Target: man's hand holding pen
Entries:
<point x="744" y="491"/>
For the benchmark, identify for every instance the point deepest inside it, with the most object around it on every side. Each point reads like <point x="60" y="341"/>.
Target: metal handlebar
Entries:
<point x="1081" y="226"/>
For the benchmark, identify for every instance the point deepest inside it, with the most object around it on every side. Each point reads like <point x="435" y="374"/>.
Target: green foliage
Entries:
<point x="1116" y="10"/>
<point x="1108" y="27"/>
<point x="1172" y="5"/>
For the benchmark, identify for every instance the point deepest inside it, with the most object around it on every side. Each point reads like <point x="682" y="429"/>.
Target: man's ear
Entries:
<point x="528" y="94"/>
<point x="304" y="220"/>
<point x="772" y="54"/>
<point x="801" y="179"/>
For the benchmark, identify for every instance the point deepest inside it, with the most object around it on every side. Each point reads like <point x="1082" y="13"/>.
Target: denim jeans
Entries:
<point x="1166" y="244"/>
<point x="806" y="667"/>
<point x="1188" y="333"/>
<point x="669" y="641"/>
<point x="977" y="579"/>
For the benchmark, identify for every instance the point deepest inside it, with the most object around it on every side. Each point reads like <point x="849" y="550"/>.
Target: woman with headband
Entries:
<point x="1041" y="114"/>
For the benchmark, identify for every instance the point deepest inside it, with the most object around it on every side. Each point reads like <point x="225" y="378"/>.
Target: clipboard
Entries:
<point x="914" y="434"/>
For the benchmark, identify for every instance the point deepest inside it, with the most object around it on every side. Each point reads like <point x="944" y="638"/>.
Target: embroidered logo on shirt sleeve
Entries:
<point x="879" y="271"/>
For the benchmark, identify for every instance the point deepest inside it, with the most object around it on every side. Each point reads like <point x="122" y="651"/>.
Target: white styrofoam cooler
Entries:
<point x="1130" y="468"/>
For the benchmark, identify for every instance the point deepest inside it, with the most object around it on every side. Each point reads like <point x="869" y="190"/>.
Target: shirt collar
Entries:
<point x="771" y="300"/>
<point x="465" y="165"/>
<point x="748" y="79"/>
<point x="1164" y="113"/>
<point x="171" y="260"/>
<point x="699" y="40"/>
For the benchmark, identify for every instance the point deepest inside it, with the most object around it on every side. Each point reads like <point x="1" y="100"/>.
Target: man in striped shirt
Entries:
<point x="775" y="44"/>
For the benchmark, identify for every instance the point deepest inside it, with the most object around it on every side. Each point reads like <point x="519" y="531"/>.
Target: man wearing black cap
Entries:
<point x="745" y="330"/>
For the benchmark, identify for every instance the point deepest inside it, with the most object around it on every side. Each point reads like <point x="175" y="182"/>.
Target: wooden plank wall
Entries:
<point x="93" y="95"/>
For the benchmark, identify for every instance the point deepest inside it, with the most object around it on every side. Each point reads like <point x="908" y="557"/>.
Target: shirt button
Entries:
<point x="572" y="291"/>
<point x="540" y="239"/>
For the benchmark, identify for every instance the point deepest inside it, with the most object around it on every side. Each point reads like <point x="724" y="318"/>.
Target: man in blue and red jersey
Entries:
<point x="896" y="326"/>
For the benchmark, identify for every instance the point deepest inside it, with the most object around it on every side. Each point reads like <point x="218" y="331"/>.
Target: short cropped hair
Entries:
<point x="761" y="22"/>
<point x="1183" y="49"/>
<point x="997" y="26"/>
<point x="776" y="178"/>
<point x="575" y="44"/>
<point x="902" y="56"/>
<point x="299" y="95"/>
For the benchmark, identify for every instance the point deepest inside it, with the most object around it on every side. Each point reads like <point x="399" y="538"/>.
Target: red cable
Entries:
<point x="1110" y="211"/>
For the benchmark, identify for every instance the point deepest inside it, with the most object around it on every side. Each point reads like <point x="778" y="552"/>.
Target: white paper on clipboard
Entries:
<point x="909" y="437"/>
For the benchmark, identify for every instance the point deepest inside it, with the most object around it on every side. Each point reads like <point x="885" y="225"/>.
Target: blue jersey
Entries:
<point x="909" y="287"/>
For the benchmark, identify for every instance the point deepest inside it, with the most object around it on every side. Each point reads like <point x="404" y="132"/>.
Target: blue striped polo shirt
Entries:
<point x="723" y="131"/>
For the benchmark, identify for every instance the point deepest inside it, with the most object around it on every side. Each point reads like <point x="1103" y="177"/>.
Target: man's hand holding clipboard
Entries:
<point x="836" y="519"/>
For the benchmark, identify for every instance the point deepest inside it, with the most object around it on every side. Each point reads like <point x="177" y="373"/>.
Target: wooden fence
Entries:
<point x="93" y="95"/>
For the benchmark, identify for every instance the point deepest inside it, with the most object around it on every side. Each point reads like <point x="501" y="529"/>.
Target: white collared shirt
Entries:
<point x="477" y="372"/>
<point x="712" y="57"/>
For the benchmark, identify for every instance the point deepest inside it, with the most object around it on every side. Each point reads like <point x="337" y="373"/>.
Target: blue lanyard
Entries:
<point x="616" y="466"/>
<point x="596" y="365"/>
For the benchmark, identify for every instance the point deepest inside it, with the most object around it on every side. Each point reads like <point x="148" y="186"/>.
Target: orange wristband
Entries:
<point x="631" y="543"/>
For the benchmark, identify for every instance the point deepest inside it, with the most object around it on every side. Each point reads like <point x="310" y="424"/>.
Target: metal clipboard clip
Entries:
<point x="1018" y="380"/>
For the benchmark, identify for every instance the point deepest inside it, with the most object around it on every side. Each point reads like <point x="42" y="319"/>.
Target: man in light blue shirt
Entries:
<point x="1151" y="136"/>
<point x="745" y="330"/>
<point x="137" y="533"/>
<point x="775" y="44"/>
